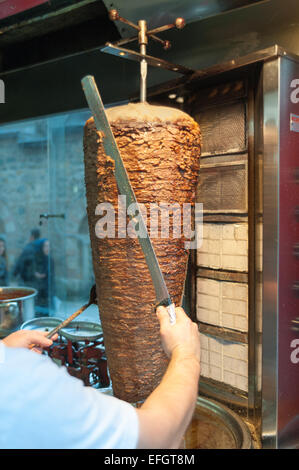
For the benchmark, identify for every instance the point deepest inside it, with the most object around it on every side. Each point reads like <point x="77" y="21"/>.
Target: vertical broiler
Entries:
<point x="243" y="280"/>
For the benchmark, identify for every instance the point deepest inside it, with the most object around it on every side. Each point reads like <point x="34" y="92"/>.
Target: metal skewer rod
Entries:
<point x="64" y="323"/>
<point x="179" y="24"/>
<point x="135" y="38"/>
<point x="92" y="300"/>
<point x="67" y="321"/>
<point x="142" y="37"/>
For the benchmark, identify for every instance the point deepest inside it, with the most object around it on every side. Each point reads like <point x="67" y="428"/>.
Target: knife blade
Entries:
<point x="96" y="106"/>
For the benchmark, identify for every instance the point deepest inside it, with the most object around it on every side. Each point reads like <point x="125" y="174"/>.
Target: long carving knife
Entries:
<point x="124" y="186"/>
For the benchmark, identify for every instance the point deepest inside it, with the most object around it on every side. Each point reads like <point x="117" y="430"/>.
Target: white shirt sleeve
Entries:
<point x="42" y="406"/>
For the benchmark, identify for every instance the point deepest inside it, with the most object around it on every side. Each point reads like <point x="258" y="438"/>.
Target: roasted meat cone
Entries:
<point x="160" y="148"/>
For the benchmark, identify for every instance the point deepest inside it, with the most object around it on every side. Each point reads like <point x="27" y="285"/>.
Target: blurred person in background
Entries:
<point x="3" y="264"/>
<point x="43" y="277"/>
<point x="24" y="267"/>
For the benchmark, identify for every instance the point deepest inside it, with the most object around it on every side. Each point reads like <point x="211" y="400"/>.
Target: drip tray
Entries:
<point x="214" y="426"/>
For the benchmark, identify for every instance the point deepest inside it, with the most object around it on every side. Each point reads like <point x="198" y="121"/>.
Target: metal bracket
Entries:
<point x="141" y="56"/>
<point x="113" y="49"/>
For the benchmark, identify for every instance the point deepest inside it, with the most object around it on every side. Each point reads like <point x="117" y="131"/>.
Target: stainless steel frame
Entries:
<point x="138" y="57"/>
<point x="270" y="251"/>
<point x="280" y="303"/>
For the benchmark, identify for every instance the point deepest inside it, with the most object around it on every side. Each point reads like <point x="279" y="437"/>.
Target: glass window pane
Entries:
<point x="44" y="236"/>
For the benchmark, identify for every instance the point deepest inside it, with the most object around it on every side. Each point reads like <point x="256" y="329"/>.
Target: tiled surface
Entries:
<point x="223" y="304"/>
<point x="224" y="246"/>
<point x="224" y="361"/>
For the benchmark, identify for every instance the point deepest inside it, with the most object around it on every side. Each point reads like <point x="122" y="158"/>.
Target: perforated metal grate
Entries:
<point x="223" y="188"/>
<point x="223" y="129"/>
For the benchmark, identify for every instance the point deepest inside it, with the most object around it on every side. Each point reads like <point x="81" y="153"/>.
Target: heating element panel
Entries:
<point x="222" y="260"/>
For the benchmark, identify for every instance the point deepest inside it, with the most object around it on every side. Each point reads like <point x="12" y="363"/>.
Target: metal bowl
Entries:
<point x="214" y="426"/>
<point x="82" y="331"/>
<point x="41" y="324"/>
<point x="16" y="306"/>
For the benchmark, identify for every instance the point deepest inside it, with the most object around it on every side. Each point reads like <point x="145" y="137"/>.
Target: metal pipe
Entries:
<point x="142" y="37"/>
<point x="165" y="44"/>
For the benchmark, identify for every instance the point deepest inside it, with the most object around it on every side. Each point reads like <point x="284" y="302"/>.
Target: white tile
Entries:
<point x="205" y="370"/>
<point x="215" y="359"/>
<point x="208" y="260"/>
<point x="215" y="373"/>
<point x="224" y="361"/>
<point x="234" y="307"/>
<point x="228" y="320"/>
<point x="235" y="350"/>
<point x="229" y="378"/>
<point x="228" y="364"/>
<point x="241" y="323"/>
<point x="218" y="302"/>
<point x="228" y="231"/>
<point x="233" y="247"/>
<point x="241" y="232"/>
<point x="205" y="231"/>
<point x="234" y="290"/>
<point x="241" y="367"/>
<point x="201" y="314"/>
<point x="215" y="345"/>
<point x="234" y="262"/>
<point x="204" y="341"/>
<point x="224" y="242"/>
<point x="208" y="286"/>
<point x="208" y="301"/>
<point x="236" y="366"/>
<point x="208" y="316"/>
<point x="242" y="383"/>
<point x="213" y="317"/>
<point x="204" y="356"/>
<point x="215" y="231"/>
<point x="214" y="246"/>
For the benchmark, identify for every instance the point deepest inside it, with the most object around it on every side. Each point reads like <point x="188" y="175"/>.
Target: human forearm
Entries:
<point x="167" y="412"/>
<point x="28" y="339"/>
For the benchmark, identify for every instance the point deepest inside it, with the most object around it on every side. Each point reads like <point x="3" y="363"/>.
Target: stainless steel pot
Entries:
<point x="16" y="307"/>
